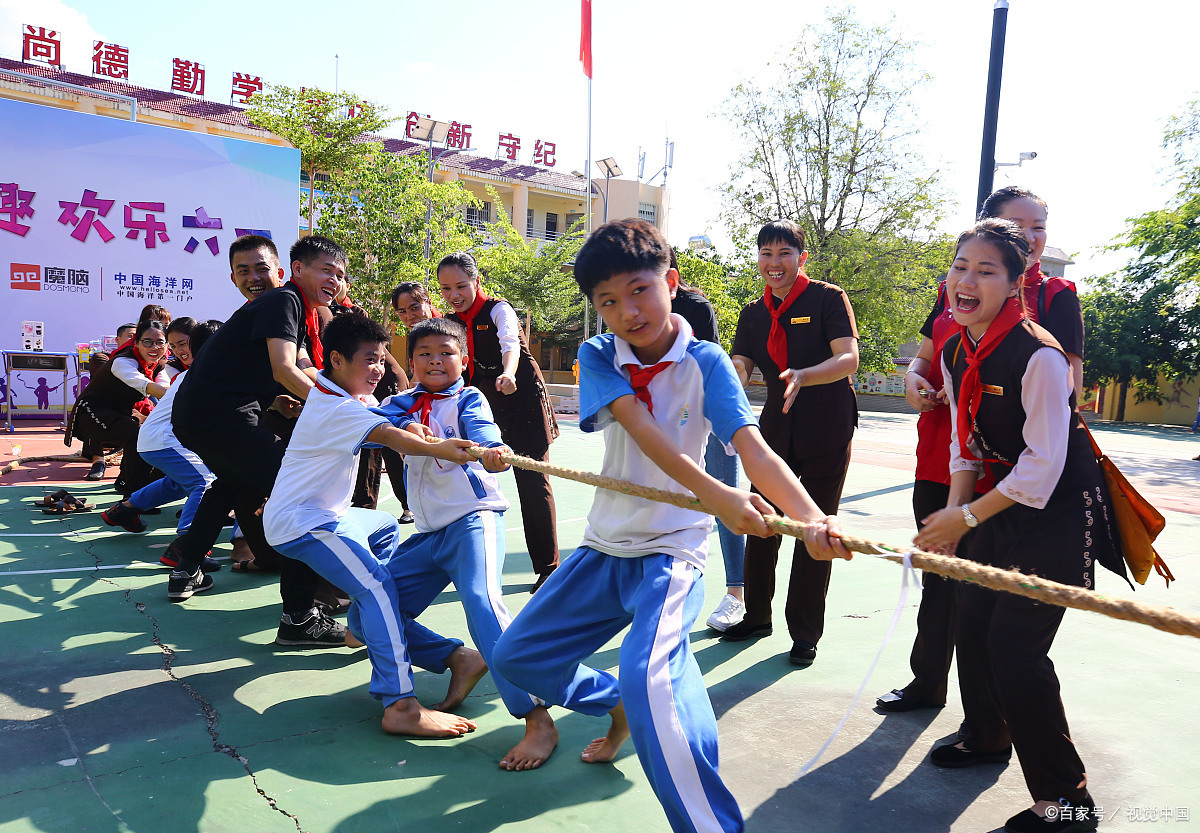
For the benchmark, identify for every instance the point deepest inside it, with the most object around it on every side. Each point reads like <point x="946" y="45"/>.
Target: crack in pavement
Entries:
<point x="211" y="715"/>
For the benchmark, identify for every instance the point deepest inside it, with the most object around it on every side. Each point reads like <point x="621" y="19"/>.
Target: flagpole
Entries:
<point x="586" y="328"/>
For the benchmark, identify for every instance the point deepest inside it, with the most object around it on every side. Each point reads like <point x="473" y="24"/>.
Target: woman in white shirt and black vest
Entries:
<point x="1012" y="395"/>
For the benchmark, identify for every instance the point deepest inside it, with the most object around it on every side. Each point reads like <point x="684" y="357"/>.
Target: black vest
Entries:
<point x="107" y="391"/>
<point x="998" y="424"/>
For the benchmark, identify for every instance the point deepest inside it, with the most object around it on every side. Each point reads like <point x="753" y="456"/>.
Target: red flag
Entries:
<point x="585" y="38"/>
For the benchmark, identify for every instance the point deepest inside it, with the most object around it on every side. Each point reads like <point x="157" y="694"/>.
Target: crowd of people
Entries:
<point x="285" y="415"/>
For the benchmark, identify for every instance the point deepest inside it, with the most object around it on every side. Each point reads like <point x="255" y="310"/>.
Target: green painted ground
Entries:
<point x="122" y="712"/>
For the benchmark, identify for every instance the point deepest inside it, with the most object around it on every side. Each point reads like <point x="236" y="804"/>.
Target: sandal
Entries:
<point x="67" y="506"/>
<point x="50" y="500"/>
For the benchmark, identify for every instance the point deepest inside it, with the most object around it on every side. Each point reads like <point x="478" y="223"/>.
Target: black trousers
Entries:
<point x="933" y="649"/>
<point x="823" y="477"/>
<point x="371" y="463"/>
<point x="538" y="512"/>
<point x="245" y="462"/>
<point x="1009" y="687"/>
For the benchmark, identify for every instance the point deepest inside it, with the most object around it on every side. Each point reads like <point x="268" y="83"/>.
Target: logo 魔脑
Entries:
<point x="26" y="276"/>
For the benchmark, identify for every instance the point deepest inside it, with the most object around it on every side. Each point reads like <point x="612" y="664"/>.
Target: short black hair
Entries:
<point x="413" y="288"/>
<point x="184" y="324"/>
<point x="620" y="247"/>
<point x="782" y="231"/>
<point x="130" y="326"/>
<point x="1008" y="238"/>
<point x="150" y="324"/>
<point x="993" y="206"/>
<point x="308" y="249"/>
<point x="200" y="334"/>
<point x="252" y="242"/>
<point x="437" y="327"/>
<point x="153" y="312"/>
<point x="348" y="332"/>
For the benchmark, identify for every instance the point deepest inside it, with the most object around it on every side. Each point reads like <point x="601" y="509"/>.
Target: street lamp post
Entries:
<point x="611" y="169"/>
<point x="429" y="130"/>
<point x="991" y="107"/>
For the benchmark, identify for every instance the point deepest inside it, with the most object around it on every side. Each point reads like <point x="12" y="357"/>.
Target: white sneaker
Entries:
<point x="728" y="613"/>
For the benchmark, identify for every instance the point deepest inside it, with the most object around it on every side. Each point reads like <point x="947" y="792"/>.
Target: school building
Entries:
<point x="543" y="202"/>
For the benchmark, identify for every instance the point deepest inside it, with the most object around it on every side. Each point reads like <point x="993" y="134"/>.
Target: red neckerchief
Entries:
<point x="777" y="339"/>
<point x="1031" y="287"/>
<point x="317" y="384"/>
<point x="970" y="393"/>
<point x="468" y="318"/>
<point x="313" y="325"/>
<point x="640" y="378"/>
<point x="424" y="403"/>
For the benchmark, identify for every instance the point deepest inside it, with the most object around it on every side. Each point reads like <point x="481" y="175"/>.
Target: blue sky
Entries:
<point x="1087" y="86"/>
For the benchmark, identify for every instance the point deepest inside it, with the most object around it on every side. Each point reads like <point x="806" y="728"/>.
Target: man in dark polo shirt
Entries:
<point x="258" y="360"/>
<point x="803" y="336"/>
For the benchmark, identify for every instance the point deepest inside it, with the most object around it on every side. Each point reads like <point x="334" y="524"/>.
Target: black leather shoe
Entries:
<point x="742" y="631"/>
<point x="1064" y="818"/>
<point x="898" y="701"/>
<point x="951" y="756"/>
<point x="803" y="654"/>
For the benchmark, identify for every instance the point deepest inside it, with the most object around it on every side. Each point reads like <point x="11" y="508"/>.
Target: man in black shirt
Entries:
<point x="258" y="360"/>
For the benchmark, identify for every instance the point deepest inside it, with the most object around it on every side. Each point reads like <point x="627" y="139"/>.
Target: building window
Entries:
<point x="320" y="177"/>
<point x="648" y="211"/>
<point x="476" y="217"/>
<point x="551" y="226"/>
<point x="572" y="219"/>
<point x="529" y="222"/>
<point x="545" y="357"/>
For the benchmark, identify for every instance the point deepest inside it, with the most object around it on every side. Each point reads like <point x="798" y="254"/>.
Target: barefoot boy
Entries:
<point x="308" y="517"/>
<point x="655" y="391"/>
<point x="460" y="516"/>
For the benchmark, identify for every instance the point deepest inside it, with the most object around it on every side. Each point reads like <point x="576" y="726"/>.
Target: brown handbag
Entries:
<point x="1138" y="522"/>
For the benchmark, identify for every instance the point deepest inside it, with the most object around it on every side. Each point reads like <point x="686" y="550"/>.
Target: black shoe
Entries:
<point x="742" y="631"/>
<point x="407" y="517"/>
<point x="537" y="585"/>
<point x="952" y="757"/>
<point x="802" y="654"/>
<point x="898" y="701"/>
<point x="96" y="472"/>
<point x="1065" y="818"/>
<point x="181" y="586"/>
<point x="124" y="516"/>
<point x="314" y="627"/>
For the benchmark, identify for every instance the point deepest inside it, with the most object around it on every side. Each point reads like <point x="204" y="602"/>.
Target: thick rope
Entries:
<point x="110" y="459"/>
<point x="1010" y="581"/>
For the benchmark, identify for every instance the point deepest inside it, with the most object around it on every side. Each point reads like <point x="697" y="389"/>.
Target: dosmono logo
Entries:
<point x="26" y="276"/>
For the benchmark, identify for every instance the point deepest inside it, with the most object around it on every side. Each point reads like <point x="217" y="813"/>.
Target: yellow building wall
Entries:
<point x="1177" y="408"/>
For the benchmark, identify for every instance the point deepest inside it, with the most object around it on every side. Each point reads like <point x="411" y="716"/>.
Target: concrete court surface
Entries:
<point x="122" y="712"/>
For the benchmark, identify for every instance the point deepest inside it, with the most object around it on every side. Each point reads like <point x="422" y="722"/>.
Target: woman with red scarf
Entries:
<point x="1051" y="302"/>
<point x="803" y="336"/>
<point x="499" y="363"/>
<point x="1011" y="395"/>
<point x="104" y="413"/>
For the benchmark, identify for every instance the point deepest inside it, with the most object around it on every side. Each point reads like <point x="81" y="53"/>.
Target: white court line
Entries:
<point x="107" y="532"/>
<point x="522" y="529"/>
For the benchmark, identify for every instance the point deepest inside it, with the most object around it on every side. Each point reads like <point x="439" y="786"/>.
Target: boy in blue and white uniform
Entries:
<point x="309" y="518"/>
<point x="656" y="392"/>
<point x="459" y="515"/>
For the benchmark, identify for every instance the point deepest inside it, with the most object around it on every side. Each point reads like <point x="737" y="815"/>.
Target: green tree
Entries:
<point x="381" y="209"/>
<point x="328" y="128"/>
<point x="829" y="144"/>
<point x="1137" y="331"/>
<point x="729" y="287"/>
<point x="534" y="277"/>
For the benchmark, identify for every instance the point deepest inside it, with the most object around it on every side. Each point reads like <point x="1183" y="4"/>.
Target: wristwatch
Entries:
<point x="969" y="517"/>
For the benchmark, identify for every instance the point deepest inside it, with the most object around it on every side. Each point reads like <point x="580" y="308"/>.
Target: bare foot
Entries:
<point x="352" y="641"/>
<point x="241" y="551"/>
<point x="466" y="669"/>
<point x="602" y="750"/>
<point x="541" y="736"/>
<point x="408" y="717"/>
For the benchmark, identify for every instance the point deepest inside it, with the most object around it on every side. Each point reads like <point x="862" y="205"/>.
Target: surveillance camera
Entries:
<point x="1029" y="154"/>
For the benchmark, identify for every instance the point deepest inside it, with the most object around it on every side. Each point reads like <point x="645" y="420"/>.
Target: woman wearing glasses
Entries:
<point x="111" y="409"/>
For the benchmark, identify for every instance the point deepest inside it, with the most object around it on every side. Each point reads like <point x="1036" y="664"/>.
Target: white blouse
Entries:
<point x="1046" y="388"/>
<point x="508" y="327"/>
<point x="130" y="372"/>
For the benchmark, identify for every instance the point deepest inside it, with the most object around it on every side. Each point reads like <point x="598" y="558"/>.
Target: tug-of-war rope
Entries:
<point x="1010" y="581"/>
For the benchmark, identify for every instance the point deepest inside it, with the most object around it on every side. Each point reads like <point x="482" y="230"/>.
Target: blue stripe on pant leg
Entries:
<point x="565" y="622"/>
<point x="333" y="552"/>
<point x="670" y="716"/>
<point x="187" y="470"/>
<point x="472" y="553"/>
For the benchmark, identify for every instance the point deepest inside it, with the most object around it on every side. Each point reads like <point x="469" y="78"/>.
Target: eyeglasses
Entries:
<point x="152" y="345"/>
